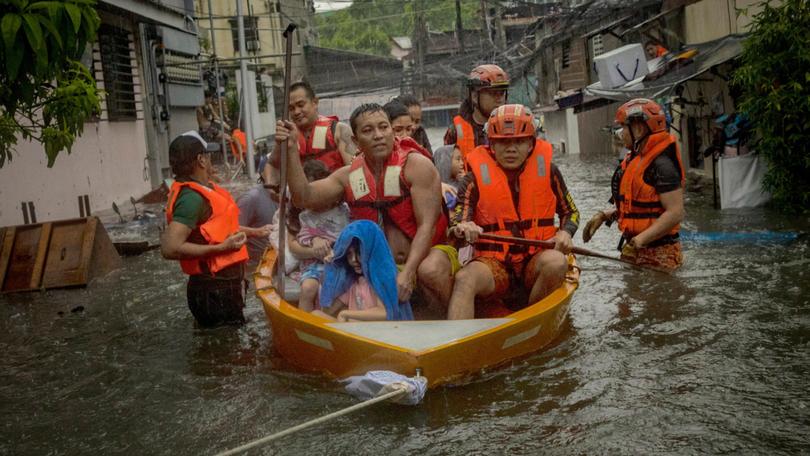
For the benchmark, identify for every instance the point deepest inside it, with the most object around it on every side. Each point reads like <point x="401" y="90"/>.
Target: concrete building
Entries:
<point x="141" y="62"/>
<point x="579" y="121"/>
<point x="264" y="21"/>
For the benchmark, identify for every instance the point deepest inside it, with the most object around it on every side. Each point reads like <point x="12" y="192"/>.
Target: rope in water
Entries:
<point x="264" y="440"/>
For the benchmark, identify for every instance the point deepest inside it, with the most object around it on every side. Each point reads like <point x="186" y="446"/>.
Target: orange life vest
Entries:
<point x="238" y="135"/>
<point x="465" y="137"/>
<point x="223" y="222"/>
<point x="392" y="199"/>
<point x="321" y="144"/>
<point x="496" y="212"/>
<point x="638" y="203"/>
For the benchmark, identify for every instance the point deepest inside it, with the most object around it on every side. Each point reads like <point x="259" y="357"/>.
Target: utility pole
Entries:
<point x="500" y="33"/>
<point x="240" y="21"/>
<point x="216" y="73"/>
<point x="420" y="47"/>
<point x="485" y="21"/>
<point x="459" y="27"/>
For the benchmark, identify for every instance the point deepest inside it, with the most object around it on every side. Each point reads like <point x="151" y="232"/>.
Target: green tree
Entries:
<point x="774" y="78"/>
<point x="366" y="25"/>
<point x="46" y="94"/>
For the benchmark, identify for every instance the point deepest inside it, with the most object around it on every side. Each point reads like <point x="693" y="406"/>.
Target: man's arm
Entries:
<point x="566" y="209"/>
<point x="673" y="214"/>
<point x="345" y="144"/>
<point x="174" y="245"/>
<point x="318" y="195"/>
<point x="426" y="195"/>
<point x="462" y="224"/>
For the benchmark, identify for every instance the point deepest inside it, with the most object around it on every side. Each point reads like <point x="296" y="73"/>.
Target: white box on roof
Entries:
<point x="620" y="66"/>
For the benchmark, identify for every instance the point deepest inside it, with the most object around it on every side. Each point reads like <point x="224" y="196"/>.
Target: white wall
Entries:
<point x="712" y="19"/>
<point x="108" y="164"/>
<point x="343" y="106"/>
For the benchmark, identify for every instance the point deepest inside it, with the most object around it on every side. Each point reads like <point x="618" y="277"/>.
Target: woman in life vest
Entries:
<point x="512" y="189"/>
<point x="647" y="189"/>
<point x="203" y="233"/>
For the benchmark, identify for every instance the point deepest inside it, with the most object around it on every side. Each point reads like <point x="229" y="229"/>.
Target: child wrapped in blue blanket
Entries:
<point x="360" y="282"/>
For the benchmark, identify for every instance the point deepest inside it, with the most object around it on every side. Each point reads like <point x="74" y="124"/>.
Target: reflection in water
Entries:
<point x="712" y="359"/>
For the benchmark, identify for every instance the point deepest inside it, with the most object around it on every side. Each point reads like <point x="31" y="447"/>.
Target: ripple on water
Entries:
<point x="713" y="359"/>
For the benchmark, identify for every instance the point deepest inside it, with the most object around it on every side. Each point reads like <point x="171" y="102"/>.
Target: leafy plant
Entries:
<point x="775" y="82"/>
<point x="46" y="93"/>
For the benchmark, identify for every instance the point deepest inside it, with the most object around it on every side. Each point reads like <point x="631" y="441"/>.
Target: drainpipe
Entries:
<point x="216" y="73"/>
<point x="240" y="20"/>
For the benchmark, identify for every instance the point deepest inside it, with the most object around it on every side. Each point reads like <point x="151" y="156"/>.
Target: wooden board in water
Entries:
<point x="55" y="254"/>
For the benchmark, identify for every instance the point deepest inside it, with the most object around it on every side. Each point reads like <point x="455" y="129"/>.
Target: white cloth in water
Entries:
<point x="741" y="181"/>
<point x="377" y="383"/>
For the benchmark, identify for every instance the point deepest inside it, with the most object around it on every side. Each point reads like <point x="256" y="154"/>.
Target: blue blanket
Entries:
<point x="378" y="267"/>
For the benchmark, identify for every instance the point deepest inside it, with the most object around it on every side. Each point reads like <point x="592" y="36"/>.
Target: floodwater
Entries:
<point x="715" y="359"/>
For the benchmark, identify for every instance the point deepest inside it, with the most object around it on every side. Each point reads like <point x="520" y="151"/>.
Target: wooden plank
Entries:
<point x="5" y="251"/>
<point x="88" y="239"/>
<point x="64" y="258"/>
<point x="23" y="254"/>
<point x="42" y="253"/>
<point x="105" y="256"/>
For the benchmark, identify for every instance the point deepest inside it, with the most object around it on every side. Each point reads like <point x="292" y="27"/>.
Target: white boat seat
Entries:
<point x="418" y="335"/>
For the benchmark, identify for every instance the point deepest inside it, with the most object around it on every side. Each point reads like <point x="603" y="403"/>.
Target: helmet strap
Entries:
<point x="476" y="105"/>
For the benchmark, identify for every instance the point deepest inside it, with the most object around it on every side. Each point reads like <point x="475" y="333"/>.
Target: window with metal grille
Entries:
<point x="566" y="54"/>
<point x="597" y="45"/>
<point x="116" y="64"/>
<point x="251" y="33"/>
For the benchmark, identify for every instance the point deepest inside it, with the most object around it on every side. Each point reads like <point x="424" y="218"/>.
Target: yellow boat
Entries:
<point x="440" y="350"/>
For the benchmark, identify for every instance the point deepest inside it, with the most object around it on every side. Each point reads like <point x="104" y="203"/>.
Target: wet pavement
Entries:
<point x="714" y="359"/>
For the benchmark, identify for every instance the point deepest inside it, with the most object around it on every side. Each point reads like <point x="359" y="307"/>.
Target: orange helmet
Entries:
<point x="511" y="121"/>
<point x="488" y="76"/>
<point x="643" y="109"/>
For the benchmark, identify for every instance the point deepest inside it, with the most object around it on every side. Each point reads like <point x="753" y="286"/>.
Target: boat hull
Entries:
<point x="441" y="351"/>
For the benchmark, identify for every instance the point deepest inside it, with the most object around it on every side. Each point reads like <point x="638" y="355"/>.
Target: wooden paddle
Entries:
<point x="550" y="245"/>
<point x="282" y="205"/>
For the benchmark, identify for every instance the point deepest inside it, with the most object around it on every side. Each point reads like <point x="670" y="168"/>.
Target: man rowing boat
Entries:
<point x="393" y="183"/>
<point x="513" y="189"/>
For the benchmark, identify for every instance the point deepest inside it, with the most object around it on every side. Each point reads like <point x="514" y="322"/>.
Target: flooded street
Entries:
<point x="714" y="359"/>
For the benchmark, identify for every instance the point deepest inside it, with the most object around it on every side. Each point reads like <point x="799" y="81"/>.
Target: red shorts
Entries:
<point x="511" y="275"/>
<point x="667" y="257"/>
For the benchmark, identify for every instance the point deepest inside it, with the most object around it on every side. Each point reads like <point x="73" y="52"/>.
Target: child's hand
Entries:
<point x="321" y="248"/>
<point x="329" y="257"/>
<point x="341" y="316"/>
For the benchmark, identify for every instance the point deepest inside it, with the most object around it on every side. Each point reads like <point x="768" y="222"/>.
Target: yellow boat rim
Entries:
<point x="443" y="351"/>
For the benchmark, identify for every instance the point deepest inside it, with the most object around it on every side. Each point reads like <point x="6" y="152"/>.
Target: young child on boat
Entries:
<point x="451" y="169"/>
<point x="350" y="292"/>
<point x="313" y="243"/>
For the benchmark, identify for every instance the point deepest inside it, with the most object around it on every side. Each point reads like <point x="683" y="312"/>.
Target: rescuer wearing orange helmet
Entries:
<point x="647" y="189"/>
<point x="512" y="189"/>
<point x="487" y="88"/>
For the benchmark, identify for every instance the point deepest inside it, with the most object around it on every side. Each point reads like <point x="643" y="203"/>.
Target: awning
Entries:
<point x="710" y="54"/>
<point x="153" y="11"/>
